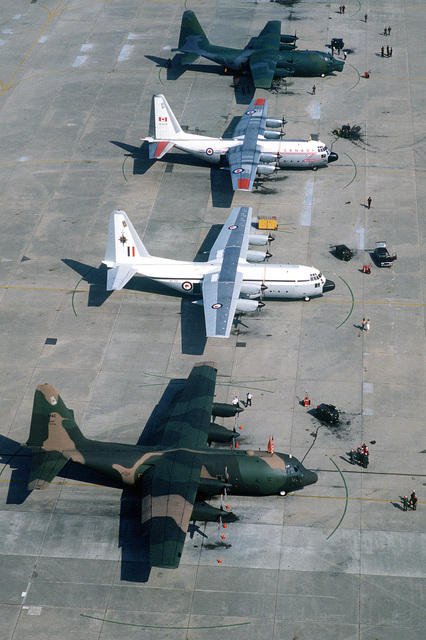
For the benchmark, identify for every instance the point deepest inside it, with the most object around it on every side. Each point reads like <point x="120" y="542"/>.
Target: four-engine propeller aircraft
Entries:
<point x="253" y="149"/>
<point x="270" y="54"/>
<point x="174" y="475"/>
<point x="228" y="282"/>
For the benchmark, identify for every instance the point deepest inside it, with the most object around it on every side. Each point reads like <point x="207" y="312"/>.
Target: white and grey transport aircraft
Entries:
<point x="253" y="149"/>
<point x="231" y="280"/>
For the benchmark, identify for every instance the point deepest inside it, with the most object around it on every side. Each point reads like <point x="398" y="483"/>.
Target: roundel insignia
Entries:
<point x="209" y="151"/>
<point x="186" y="286"/>
<point x="250" y="112"/>
<point x="232" y="227"/>
<point x="238" y="170"/>
<point x="217" y="305"/>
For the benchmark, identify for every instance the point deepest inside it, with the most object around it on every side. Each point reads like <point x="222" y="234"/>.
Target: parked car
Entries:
<point x="382" y="255"/>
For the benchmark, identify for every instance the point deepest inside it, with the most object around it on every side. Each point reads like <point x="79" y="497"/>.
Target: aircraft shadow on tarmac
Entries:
<point x="134" y="546"/>
<point x="244" y="89"/>
<point x="220" y="181"/>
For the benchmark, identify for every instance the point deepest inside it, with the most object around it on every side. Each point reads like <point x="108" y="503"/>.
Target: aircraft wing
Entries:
<point x="243" y="159"/>
<point x="169" y="490"/>
<point x="187" y="422"/>
<point x="263" y="60"/>
<point x="221" y="288"/>
<point x="169" y="487"/>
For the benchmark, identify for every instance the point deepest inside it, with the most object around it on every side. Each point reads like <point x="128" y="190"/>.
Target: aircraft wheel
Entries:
<point x="307" y="298"/>
<point x="323" y="75"/>
<point x="314" y="168"/>
<point x="282" y="493"/>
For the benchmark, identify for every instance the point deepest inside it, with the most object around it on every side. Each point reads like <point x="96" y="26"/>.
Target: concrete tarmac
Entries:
<point x="340" y="559"/>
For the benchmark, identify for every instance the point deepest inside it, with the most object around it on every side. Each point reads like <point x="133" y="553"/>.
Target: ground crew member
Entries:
<point x="404" y="503"/>
<point x="360" y="455"/>
<point x="249" y="397"/>
<point x="235" y="401"/>
<point x="413" y="500"/>
<point x="365" y="457"/>
<point x="352" y="456"/>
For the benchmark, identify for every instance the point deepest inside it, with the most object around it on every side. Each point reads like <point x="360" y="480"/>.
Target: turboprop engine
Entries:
<point x="274" y="123"/>
<point x="268" y="158"/>
<point x="260" y="239"/>
<point x="257" y="256"/>
<point x="220" y="434"/>
<point x="273" y="135"/>
<point x="252" y="290"/>
<point x="245" y="304"/>
<point x="225" y="410"/>
<point x="265" y="168"/>
<point x="204" y="511"/>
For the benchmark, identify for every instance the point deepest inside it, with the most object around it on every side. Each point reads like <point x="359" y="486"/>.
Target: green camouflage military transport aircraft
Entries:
<point x="176" y="473"/>
<point x="270" y="54"/>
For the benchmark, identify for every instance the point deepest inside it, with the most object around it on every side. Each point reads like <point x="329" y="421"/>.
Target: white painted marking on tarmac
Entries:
<point x="361" y="232"/>
<point x="367" y="387"/>
<point x="132" y="36"/>
<point x="42" y="39"/>
<point x="24" y="158"/>
<point x="86" y="47"/>
<point x="307" y="205"/>
<point x="167" y="48"/>
<point x="17" y="17"/>
<point x="316" y="111"/>
<point x="368" y="412"/>
<point x="7" y="31"/>
<point x="125" y="52"/>
<point x="79" y="61"/>
<point x="34" y="611"/>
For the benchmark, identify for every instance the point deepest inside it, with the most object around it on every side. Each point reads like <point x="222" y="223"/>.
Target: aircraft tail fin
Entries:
<point x="164" y="124"/>
<point x="54" y="437"/>
<point x="124" y="249"/>
<point x="192" y="38"/>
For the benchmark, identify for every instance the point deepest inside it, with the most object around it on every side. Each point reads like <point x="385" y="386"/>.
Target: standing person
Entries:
<point x="366" y="454"/>
<point x="382" y="55"/>
<point x="235" y="401"/>
<point x="365" y="17"/>
<point x="360" y="456"/>
<point x="390" y="52"/>
<point x="343" y="8"/>
<point x="387" y="51"/>
<point x="369" y="201"/>
<point x="389" y="30"/>
<point x="385" y="31"/>
<point x="367" y="325"/>
<point x="413" y="500"/>
<point x="248" y="401"/>
<point x="313" y="90"/>
<point x="345" y="55"/>
<point x="363" y="325"/>
<point x="352" y="456"/>
<point x="405" y="503"/>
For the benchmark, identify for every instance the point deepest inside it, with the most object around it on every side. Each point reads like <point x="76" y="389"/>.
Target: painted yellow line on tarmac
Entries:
<point x="147" y="293"/>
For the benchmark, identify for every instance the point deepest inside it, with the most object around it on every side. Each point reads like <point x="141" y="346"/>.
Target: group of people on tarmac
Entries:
<point x="412" y="502"/>
<point x="361" y="455"/>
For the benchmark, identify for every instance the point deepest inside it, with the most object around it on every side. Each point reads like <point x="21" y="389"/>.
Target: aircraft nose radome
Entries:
<point x="338" y="66"/>
<point x="328" y="286"/>
<point x="333" y="157"/>
<point x="309" y="477"/>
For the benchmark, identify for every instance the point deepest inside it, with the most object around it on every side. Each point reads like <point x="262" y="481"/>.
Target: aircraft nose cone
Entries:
<point x="328" y="286"/>
<point x="338" y="66"/>
<point x="333" y="157"/>
<point x="309" y="477"/>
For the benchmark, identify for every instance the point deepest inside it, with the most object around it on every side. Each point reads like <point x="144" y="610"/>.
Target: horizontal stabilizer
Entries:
<point x="44" y="467"/>
<point x="118" y="277"/>
<point x="189" y="58"/>
<point x="159" y="149"/>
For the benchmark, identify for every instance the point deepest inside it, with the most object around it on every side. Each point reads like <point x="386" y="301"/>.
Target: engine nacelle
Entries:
<point x="272" y="135"/>
<point x="212" y="486"/>
<point x="287" y="46"/>
<point x="218" y="433"/>
<point x="207" y="513"/>
<point x="265" y="168"/>
<point x="252" y="290"/>
<point x="284" y="37"/>
<point x="243" y="304"/>
<point x="256" y="256"/>
<point x="268" y="158"/>
<point x="259" y="239"/>
<point x="273" y="123"/>
<point x="224" y="410"/>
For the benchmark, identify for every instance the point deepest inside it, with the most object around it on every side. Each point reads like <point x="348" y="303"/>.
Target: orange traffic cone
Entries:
<point x="307" y="401"/>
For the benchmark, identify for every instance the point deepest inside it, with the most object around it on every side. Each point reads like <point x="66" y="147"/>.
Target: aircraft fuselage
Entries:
<point x="282" y="281"/>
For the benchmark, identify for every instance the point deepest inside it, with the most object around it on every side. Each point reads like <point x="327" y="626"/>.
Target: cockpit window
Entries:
<point x="292" y="468"/>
